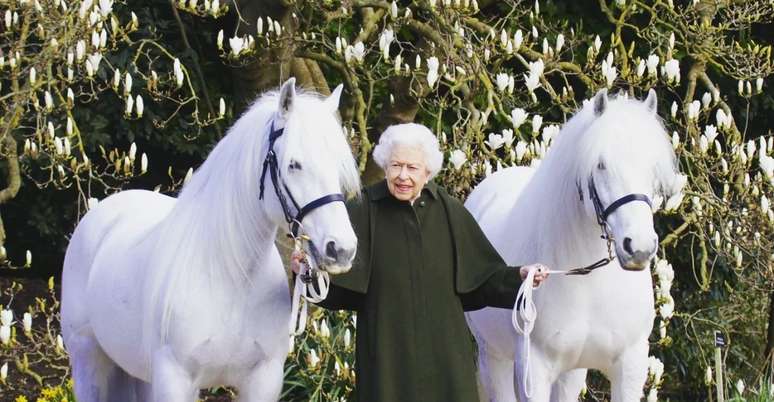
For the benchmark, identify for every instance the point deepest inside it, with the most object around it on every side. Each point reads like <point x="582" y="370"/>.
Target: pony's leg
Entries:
<point x="495" y="374"/>
<point x="171" y="382"/>
<point x="568" y="386"/>
<point x="540" y="377"/>
<point x="264" y="383"/>
<point x="629" y="373"/>
<point x="96" y="378"/>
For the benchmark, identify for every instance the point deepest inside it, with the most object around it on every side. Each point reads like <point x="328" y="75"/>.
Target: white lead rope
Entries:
<point x="303" y="294"/>
<point x="525" y="310"/>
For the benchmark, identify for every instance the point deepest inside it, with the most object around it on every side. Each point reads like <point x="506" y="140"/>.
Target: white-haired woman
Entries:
<point x="422" y="260"/>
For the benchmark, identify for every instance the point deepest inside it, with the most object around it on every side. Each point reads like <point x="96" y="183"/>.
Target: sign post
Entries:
<point x="720" y="342"/>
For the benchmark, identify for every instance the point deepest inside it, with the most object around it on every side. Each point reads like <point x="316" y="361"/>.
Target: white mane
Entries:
<point x="638" y="150"/>
<point x="219" y="228"/>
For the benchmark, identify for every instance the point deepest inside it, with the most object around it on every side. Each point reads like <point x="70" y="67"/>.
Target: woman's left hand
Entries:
<point x="541" y="273"/>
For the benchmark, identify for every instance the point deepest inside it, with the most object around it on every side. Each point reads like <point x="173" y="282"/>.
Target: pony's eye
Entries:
<point x="601" y="165"/>
<point x="294" y="165"/>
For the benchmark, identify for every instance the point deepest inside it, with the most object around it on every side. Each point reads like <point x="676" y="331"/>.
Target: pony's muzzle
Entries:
<point x="337" y="259"/>
<point x="637" y="259"/>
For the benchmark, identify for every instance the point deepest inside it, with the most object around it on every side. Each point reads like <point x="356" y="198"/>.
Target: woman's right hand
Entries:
<point x="295" y="261"/>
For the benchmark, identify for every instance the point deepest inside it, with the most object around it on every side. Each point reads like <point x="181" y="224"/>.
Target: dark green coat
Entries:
<point x="417" y="269"/>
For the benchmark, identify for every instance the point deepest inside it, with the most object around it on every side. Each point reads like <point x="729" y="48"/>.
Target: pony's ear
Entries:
<point x="600" y="102"/>
<point x="651" y="102"/>
<point x="332" y="102"/>
<point x="287" y="96"/>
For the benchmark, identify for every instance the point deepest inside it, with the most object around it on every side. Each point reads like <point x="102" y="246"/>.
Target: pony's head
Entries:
<point x="625" y="161"/>
<point x="314" y="165"/>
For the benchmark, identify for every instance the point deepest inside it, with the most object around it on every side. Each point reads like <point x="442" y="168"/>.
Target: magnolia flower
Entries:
<point x="610" y="72"/>
<point x="655" y="368"/>
<point x="27" y="322"/>
<point x="222" y="108"/>
<point x="92" y="202"/>
<point x="652" y="395"/>
<point x="432" y="70"/>
<point x="502" y="81"/>
<point x="188" y="176"/>
<point x="358" y="50"/>
<point x="139" y="105"/>
<point x="313" y="359"/>
<point x="559" y="42"/>
<point x="708" y="376"/>
<point x="641" y="68"/>
<point x="673" y="109"/>
<point x="3" y="371"/>
<point x="706" y="99"/>
<point x="549" y="132"/>
<point x="5" y="334"/>
<point x="518" y="39"/>
<point x="711" y="132"/>
<point x="693" y="110"/>
<point x="519" y="150"/>
<point x="536" y="67"/>
<point x="237" y="44"/>
<point x="70" y="95"/>
<point x="144" y="163"/>
<point x="59" y="343"/>
<point x="759" y="84"/>
<point x="495" y="141"/>
<point x="667" y="309"/>
<point x="723" y="120"/>
<point x="457" y="158"/>
<point x="672" y="40"/>
<point x="33" y="75"/>
<point x="672" y="69"/>
<point x="129" y="105"/>
<point x="6" y="317"/>
<point x="740" y="387"/>
<point x="178" y="70"/>
<point x="703" y="144"/>
<point x="507" y="137"/>
<point x="325" y="332"/>
<point x="764" y="203"/>
<point x="653" y="61"/>
<point x="532" y="82"/>
<point x="537" y="121"/>
<point x="385" y="39"/>
<point x="28" y="257"/>
<point x="347" y="338"/>
<point x="597" y="43"/>
<point x="518" y="117"/>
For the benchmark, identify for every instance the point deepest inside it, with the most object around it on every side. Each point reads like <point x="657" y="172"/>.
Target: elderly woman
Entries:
<point x="422" y="261"/>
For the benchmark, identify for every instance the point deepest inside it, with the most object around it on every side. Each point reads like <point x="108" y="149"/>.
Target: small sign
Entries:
<point x="720" y="340"/>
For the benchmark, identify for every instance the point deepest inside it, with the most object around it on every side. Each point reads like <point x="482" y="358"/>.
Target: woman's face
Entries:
<point x="406" y="172"/>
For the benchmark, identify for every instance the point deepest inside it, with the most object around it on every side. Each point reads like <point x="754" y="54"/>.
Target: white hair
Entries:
<point x="413" y="135"/>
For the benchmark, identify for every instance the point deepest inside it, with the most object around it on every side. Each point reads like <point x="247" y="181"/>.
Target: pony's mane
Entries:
<point x="551" y="201"/>
<point x="219" y="228"/>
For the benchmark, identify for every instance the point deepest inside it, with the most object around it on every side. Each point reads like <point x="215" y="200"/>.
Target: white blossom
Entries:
<point x="740" y="387"/>
<point x="673" y="109"/>
<point x="222" y="107"/>
<point x="6" y="317"/>
<point x="759" y="84"/>
<point x="5" y="334"/>
<point x="494" y="141"/>
<point x="652" y="395"/>
<point x="33" y="75"/>
<point x="518" y="117"/>
<point x="237" y="44"/>
<point x="653" y="61"/>
<point x="502" y="81"/>
<point x="609" y="72"/>
<point x="127" y="83"/>
<point x="457" y="158"/>
<point x="641" y="68"/>
<point x="129" y="105"/>
<point x="518" y="39"/>
<point x="28" y="259"/>
<point x="139" y="105"/>
<point x="655" y="368"/>
<point x="597" y="44"/>
<point x="708" y="376"/>
<point x="537" y="121"/>
<point x="693" y="110"/>
<point x="432" y="70"/>
<point x="711" y="132"/>
<point x="144" y="163"/>
<point x="178" y="70"/>
<point x="521" y="150"/>
<point x="347" y="338"/>
<point x="219" y="39"/>
<point x="672" y="69"/>
<point x="59" y="343"/>
<point x="4" y="367"/>
<point x="27" y="322"/>
<point x="549" y="132"/>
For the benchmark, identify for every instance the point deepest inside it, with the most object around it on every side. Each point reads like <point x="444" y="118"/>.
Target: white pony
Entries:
<point x="162" y="297"/>
<point x="618" y="153"/>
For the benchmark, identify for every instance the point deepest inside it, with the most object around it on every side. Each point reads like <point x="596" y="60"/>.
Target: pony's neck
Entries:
<point x="558" y="230"/>
<point x="221" y="206"/>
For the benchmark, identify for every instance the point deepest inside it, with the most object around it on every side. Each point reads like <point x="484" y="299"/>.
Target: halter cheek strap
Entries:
<point x="271" y="165"/>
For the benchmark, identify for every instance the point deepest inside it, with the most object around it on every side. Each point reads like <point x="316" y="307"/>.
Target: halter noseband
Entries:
<point x="602" y="214"/>
<point x="271" y="164"/>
